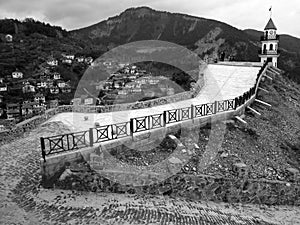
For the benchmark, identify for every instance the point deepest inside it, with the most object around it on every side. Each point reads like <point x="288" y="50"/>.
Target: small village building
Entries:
<point x="56" y="76"/>
<point x="66" y="89"/>
<point x="52" y="62"/>
<point x="40" y="98"/>
<point x="1" y="98"/>
<point x="80" y="59"/>
<point x="42" y="84"/>
<point x="54" y="90"/>
<point x="1" y="80"/>
<point x="88" y="60"/>
<point x="61" y="84"/>
<point x="67" y="61"/>
<point x="1" y="112"/>
<point x="17" y="75"/>
<point x="3" y="87"/>
<point x="13" y="111"/>
<point x="8" y="38"/>
<point x="28" y="88"/>
<point x="68" y="56"/>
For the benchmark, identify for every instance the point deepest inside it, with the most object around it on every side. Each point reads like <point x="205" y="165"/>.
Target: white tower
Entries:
<point x="269" y="44"/>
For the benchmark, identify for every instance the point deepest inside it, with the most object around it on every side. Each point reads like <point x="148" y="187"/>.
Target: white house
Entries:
<point x="67" y="61"/>
<point x="54" y="90"/>
<point x="56" y="76"/>
<point x="17" y="75"/>
<point x="40" y="98"/>
<point x="80" y="59"/>
<point x="42" y="84"/>
<point x="8" y="38"/>
<point x="3" y="88"/>
<point x="52" y="62"/>
<point x="1" y="80"/>
<point x="28" y="88"/>
<point x="68" y="56"/>
<point x="89" y="60"/>
<point x="61" y="84"/>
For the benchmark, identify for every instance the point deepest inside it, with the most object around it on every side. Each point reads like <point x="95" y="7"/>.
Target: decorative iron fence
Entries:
<point x="73" y="141"/>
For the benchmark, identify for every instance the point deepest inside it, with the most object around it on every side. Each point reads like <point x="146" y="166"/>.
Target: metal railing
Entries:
<point x="73" y="141"/>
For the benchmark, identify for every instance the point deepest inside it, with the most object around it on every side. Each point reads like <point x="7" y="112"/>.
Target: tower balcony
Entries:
<point x="264" y="38"/>
<point x="268" y="52"/>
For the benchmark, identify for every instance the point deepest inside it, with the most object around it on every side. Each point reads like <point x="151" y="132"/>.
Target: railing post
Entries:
<point x="192" y="112"/>
<point x="43" y="148"/>
<point x="216" y="107"/>
<point x="91" y="136"/>
<point x="165" y="118"/>
<point x="131" y="126"/>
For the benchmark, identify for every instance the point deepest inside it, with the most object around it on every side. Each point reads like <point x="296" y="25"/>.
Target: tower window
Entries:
<point x="266" y="33"/>
<point x="271" y="46"/>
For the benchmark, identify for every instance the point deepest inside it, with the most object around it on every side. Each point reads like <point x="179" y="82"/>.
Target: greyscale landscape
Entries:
<point x="149" y="113"/>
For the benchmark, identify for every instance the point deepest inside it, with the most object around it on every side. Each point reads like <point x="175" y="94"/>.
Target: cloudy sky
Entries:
<point x="71" y="14"/>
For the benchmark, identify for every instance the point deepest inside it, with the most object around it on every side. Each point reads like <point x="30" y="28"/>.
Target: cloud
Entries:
<point x="80" y="13"/>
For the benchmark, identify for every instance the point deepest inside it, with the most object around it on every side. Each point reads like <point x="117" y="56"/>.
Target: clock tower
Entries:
<point x="269" y="44"/>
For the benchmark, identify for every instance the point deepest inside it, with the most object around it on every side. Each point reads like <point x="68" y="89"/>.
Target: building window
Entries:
<point x="271" y="46"/>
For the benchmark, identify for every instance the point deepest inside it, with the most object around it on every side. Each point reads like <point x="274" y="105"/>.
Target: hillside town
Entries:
<point x="23" y="96"/>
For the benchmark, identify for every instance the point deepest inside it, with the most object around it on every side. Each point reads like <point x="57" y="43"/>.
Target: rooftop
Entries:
<point x="270" y="25"/>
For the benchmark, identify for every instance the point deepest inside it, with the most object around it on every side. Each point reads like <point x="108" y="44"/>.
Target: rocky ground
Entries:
<point x="23" y="201"/>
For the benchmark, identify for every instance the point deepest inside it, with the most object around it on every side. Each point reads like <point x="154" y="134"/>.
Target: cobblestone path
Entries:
<point x="23" y="201"/>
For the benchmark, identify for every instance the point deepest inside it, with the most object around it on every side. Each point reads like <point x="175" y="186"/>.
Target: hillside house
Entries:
<point x="49" y="83"/>
<point x="40" y="98"/>
<point x="61" y="84"/>
<point x="68" y="56"/>
<point x="1" y="98"/>
<point x="3" y="87"/>
<point x="66" y="88"/>
<point x="54" y="90"/>
<point x="1" y="80"/>
<point x="56" y="76"/>
<point x="67" y="61"/>
<point x="28" y="109"/>
<point x="1" y="112"/>
<point x="8" y="38"/>
<point x="17" y="75"/>
<point x="52" y="62"/>
<point x="28" y="88"/>
<point x="42" y="84"/>
<point x="88" y="60"/>
<point x="80" y="59"/>
<point x="13" y="111"/>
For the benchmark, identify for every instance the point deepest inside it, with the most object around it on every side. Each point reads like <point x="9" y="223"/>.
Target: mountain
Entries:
<point x="206" y="37"/>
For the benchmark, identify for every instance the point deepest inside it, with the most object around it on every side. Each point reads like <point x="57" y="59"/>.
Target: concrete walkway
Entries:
<point x="222" y="82"/>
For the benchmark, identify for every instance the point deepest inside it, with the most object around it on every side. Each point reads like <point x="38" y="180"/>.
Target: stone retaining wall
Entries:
<point x="25" y="126"/>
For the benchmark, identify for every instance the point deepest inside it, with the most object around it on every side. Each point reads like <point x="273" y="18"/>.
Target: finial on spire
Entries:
<point x="270" y="10"/>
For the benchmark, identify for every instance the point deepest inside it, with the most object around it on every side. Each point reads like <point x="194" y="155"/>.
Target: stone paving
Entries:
<point x="23" y="201"/>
